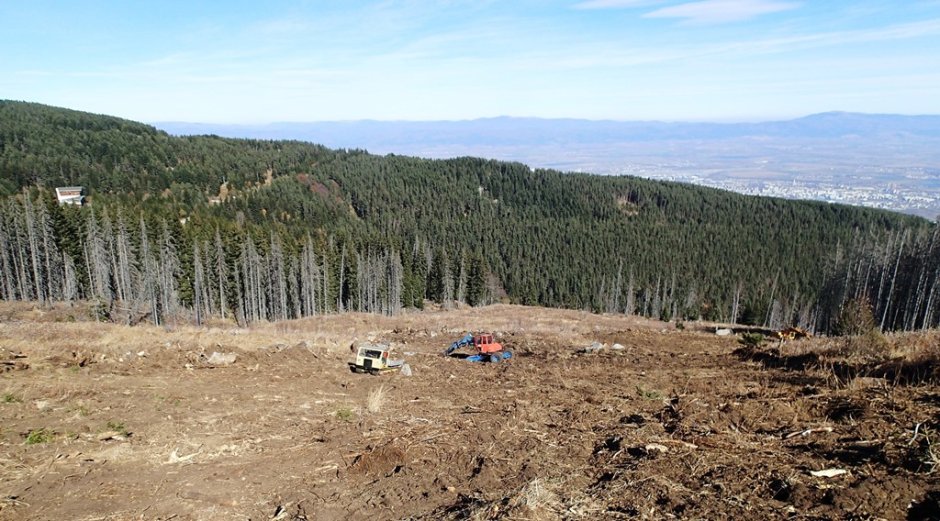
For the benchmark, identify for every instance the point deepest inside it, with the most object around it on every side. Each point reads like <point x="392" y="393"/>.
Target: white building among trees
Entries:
<point x="70" y="195"/>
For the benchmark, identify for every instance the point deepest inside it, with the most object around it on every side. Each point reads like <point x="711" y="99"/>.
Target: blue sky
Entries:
<point x="256" y="62"/>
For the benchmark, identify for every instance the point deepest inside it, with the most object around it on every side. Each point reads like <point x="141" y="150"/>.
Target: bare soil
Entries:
<point x="102" y="421"/>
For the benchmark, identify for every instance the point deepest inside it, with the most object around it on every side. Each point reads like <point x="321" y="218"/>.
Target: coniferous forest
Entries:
<point x="188" y="228"/>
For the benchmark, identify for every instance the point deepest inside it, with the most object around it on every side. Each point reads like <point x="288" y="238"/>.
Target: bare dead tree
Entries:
<point x="630" y="307"/>
<point x="339" y="304"/>
<point x="736" y="302"/>
<point x="69" y="279"/>
<point x="278" y="279"/>
<point x="52" y="260"/>
<point x="461" y="295"/>
<point x="309" y="278"/>
<point x="293" y="286"/>
<point x="884" y="269"/>
<point x="97" y="263"/>
<point x="396" y="277"/>
<point x="447" y="284"/>
<point x="147" y="284"/>
<point x="253" y="290"/>
<point x="125" y="260"/>
<point x="7" y="280"/>
<point x="200" y="299"/>
<point x="168" y="273"/>
<point x="656" y="309"/>
<point x="221" y="272"/>
<point x="326" y="282"/>
<point x="618" y="287"/>
<point x="19" y="243"/>
<point x="773" y="292"/>
<point x="32" y="245"/>
<point x="931" y="300"/>
<point x="894" y="277"/>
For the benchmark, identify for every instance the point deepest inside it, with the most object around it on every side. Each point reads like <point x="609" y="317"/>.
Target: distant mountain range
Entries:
<point x="385" y="136"/>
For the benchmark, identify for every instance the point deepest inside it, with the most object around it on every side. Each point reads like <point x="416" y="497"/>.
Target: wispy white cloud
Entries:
<point x="609" y="55"/>
<point x="721" y="11"/>
<point x="895" y="32"/>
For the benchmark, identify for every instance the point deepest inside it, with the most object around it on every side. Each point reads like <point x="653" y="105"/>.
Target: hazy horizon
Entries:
<point x="506" y="116"/>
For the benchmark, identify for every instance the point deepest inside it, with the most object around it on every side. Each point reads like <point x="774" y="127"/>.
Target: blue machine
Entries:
<point x="465" y="341"/>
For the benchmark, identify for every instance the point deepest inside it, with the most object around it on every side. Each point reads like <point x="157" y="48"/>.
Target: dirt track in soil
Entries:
<point x="677" y="424"/>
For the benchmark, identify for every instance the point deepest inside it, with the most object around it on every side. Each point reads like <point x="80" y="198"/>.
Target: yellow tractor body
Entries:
<point x="373" y="359"/>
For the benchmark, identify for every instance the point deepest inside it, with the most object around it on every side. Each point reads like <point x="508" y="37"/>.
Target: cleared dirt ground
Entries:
<point x="101" y="421"/>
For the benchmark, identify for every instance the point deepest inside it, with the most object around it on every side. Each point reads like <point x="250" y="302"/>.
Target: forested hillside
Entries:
<point x="263" y="230"/>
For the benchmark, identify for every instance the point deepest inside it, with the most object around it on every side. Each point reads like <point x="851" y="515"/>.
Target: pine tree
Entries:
<point x="476" y="279"/>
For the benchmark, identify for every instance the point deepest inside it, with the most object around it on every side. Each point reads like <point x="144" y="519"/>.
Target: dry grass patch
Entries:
<point x="540" y="499"/>
<point x="377" y="398"/>
<point x="912" y="346"/>
<point x="897" y="358"/>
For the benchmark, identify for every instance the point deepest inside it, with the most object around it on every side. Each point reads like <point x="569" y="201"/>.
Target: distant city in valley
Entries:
<point x="883" y="161"/>
<point x="856" y="188"/>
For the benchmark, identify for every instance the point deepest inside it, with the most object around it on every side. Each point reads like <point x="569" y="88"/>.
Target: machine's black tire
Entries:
<point x="495" y="358"/>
